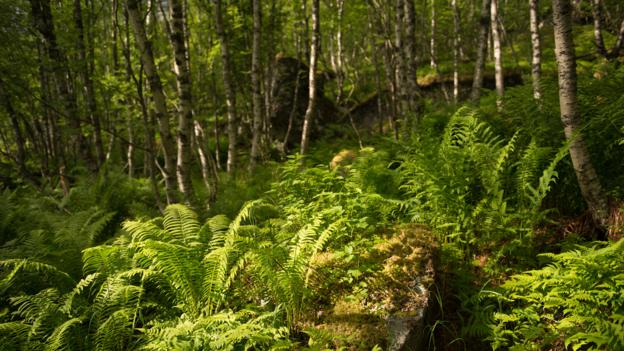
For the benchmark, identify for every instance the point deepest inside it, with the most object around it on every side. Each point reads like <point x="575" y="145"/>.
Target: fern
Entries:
<point x="576" y="298"/>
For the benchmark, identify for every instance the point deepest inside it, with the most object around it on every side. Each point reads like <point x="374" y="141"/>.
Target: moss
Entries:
<point x="354" y="314"/>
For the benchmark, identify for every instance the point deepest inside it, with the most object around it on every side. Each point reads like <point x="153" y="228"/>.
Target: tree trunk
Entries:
<point x="256" y="82"/>
<point x="314" y="53"/>
<point x="498" y="64"/>
<point x="456" y="49"/>
<point x="20" y="158"/>
<point x="484" y="22"/>
<point x="185" y="111"/>
<point x="597" y="13"/>
<point x="42" y="16"/>
<point x="230" y="93"/>
<point x="536" y="60"/>
<point x="208" y="166"/>
<point x="400" y="69"/>
<point x="340" y="74"/>
<point x="411" y="84"/>
<point x="89" y="92"/>
<point x="615" y="52"/>
<point x="268" y="78"/>
<point x="376" y="12"/>
<point x="434" y="63"/>
<point x="158" y="96"/>
<point x="570" y="115"/>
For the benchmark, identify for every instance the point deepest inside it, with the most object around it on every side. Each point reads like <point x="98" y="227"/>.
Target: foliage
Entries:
<point x="171" y="282"/>
<point x="575" y="300"/>
<point x="477" y="190"/>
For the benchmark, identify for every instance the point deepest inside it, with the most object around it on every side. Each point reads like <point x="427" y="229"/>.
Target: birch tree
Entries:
<point x="496" y="41"/>
<point x="312" y="97"/>
<point x="586" y="175"/>
<point x="256" y="82"/>
<point x="536" y="50"/>
<point x="144" y="46"/>
<point x="185" y="110"/>
<point x="484" y="24"/>
<point x="230" y="93"/>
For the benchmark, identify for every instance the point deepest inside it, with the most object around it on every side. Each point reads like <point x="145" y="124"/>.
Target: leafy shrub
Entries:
<point x="576" y="301"/>
<point x="476" y="190"/>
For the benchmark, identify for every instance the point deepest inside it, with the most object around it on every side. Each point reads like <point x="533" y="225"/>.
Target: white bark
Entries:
<point x="536" y="59"/>
<point x="484" y="22"/>
<point x="230" y="94"/>
<point x="185" y="113"/>
<point x="314" y="51"/>
<point x="498" y="64"/>
<point x="586" y="175"/>
<point x="256" y="81"/>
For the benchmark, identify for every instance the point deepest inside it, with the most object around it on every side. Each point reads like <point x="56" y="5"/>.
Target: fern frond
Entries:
<point x="114" y="333"/>
<point x="181" y="223"/>
<point x="26" y="265"/>
<point x="62" y="339"/>
<point x="105" y="259"/>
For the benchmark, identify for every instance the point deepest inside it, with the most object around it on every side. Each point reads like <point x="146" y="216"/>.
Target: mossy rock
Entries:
<point x="395" y="300"/>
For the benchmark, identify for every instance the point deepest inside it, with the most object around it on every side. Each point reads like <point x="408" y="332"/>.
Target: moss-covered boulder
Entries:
<point x="386" y="304"/>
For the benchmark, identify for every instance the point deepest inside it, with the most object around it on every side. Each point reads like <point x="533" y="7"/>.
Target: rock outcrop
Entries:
<point x="390" y="312"/>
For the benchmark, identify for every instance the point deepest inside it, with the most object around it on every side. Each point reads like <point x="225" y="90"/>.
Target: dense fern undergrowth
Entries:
<point x="102" y="269"/>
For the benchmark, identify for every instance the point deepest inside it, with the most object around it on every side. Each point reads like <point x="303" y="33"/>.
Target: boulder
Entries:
<point x="392" y="314"/>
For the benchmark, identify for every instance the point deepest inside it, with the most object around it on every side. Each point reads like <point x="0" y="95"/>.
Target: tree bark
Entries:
<point x="185" y="88"/>
<point x="586" y="175"/>
<point x="484" y="22"/>
<point x="158" y="96"/>
<point x="413" y="90"/>
<point x="89" y="92"/>
<point x="208" y="166"/>
<point x="20" y="158"/>
<point x="400" y="69"/>
<point x="42" y="16"/>
<point x="536" y="58"/>
<point x="340" y="74"/>
<point x="230" y="93"/>
<point x="456" y="49"/>
<point x="256" y="82"/>
<point x="615" y="52"/>
<point x="598" y="40"/>
<point x="314" y="52"/>
<point x="498" y="64"/>
<point x="433" y="51"/>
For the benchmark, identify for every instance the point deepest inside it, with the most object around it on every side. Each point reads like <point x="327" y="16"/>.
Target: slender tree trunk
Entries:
<point x="484" y="23"/>
<point x="456" y="49"/>
<point x="314" y="53"/>
<point x="20" y="158"/>
<point x="498" y="64"/>
<point x="536" y="60"/>
<point x="42" y="16"/>
<point x="340" y="74"/>
<point x="208" y="167"/>
<point x="256" y="82"/>
<point x="230" y="94"/>
<point x="158" y="96"/>
<point x="619" y="43"/>
<point x="185" y="113"/>
<point x="598" y="40"/>
<point x="570" y="115"/>
<point x="217" y="135"/>
<point x="384" y="32"/>
<point x="89" y="92"/>
<point x="401" y="69"/>
<point x="434" y="63"/>
<point x="411" y="69"/>
<point x="269" y="79"/>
